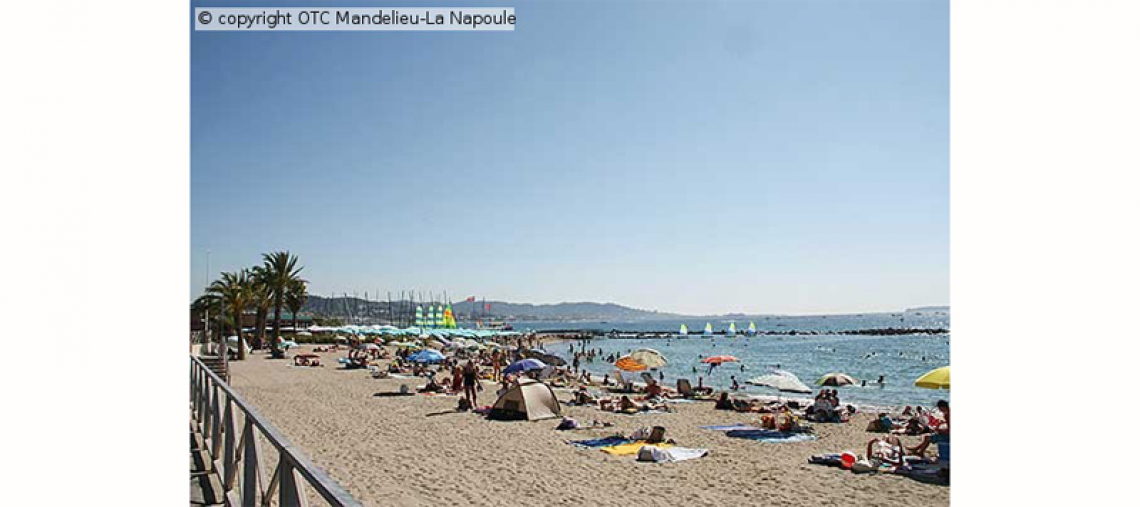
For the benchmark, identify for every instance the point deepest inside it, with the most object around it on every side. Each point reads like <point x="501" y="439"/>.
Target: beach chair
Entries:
<point x="684" y="387"/>
<point x="625" y="386"/>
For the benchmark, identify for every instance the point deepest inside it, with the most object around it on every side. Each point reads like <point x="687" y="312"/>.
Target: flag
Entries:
<point x="487" y="306"/>
<point x="469" y="300"/>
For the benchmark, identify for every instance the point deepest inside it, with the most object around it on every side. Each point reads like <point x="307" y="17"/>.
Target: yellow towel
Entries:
<point x="631" y="448"/>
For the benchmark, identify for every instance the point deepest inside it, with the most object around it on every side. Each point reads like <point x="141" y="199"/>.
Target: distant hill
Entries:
<point x="360" y="310"/>
<point x="929" y="309"/>
<point x="563" y="311"/>
<point x="345" y="307"/>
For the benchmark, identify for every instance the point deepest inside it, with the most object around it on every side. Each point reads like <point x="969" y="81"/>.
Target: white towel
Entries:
<point x="669" y="455"/>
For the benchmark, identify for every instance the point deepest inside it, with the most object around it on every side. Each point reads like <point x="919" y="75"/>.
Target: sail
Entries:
<point x="731" y="328"/>
<point x="439" y="316"/>
<point x="752" y="327"/>
<point x="684" y="329"/>
<point x="708" y="328"/>
<point x="419" y="316"/>
<point x="448" y="318"/>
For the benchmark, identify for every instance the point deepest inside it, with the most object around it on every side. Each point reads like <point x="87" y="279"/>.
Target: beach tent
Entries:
<point x="935" y="379"/>
<point x="530" y="400"/>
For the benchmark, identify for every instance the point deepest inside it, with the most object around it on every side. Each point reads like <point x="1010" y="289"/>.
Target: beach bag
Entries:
<point x="567" y="424"/>
<point x="652" y="454"/>
<point x="865" y="465"/>
<point x="640" y="433"/>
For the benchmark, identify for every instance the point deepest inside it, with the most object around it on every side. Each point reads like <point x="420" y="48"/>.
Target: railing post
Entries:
<point x="251" y="466"/>
<point x="216" y="426"/>
<point x="228" y="446"/>
<point x="289" y="491"/>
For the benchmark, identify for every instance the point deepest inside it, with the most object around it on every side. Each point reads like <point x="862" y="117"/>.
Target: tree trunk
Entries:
<point x="241" y="340"/>
<point x="262" y="322"/>
<point x="276" y="322"/>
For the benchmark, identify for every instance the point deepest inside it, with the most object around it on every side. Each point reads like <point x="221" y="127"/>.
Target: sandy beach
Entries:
<point x="416" y="450"/>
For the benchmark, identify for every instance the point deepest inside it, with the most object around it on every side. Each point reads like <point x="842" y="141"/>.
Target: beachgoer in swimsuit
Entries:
<point x="470" y="375"/>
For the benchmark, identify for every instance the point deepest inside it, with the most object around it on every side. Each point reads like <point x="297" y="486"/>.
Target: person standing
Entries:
<point x="470" y="377"/>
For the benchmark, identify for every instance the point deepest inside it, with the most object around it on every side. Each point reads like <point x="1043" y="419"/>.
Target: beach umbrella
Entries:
<point x="719" y="359"/>
<point x="525" y="365"/>
<point x="627" y="363"/>
<point x="426" y="356"/>
<point x="370" y="346"/>
<point x="836" y="380"/>
<point x="649" y="357"/>
<point x="935" y="379"/>
<point x="781" y="381"/>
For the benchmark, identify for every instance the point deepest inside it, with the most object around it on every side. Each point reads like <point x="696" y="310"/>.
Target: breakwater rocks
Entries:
<point x="572" y="334"/>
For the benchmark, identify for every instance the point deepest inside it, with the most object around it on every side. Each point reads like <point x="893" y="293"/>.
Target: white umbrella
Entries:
<point x="649" y="357"/>
<point x="782" y="381"/>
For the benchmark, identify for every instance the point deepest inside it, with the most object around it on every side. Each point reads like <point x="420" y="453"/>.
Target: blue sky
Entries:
<point x="767" y="157"/>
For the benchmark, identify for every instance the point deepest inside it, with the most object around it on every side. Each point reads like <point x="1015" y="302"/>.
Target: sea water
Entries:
<point x="899" y="359"/>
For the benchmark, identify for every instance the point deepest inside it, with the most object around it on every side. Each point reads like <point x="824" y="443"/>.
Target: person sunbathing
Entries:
<point x="582" y="396"/>
<point x="888" y="449"/>
<point x="432" y="387"/>
<point x="941" y="433"/>
<point x="723" y="403"/>
<point x="627" y="405"/>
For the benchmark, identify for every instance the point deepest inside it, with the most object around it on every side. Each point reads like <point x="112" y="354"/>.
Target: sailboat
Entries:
<point x="708" y="329"/>
<point x="684" y="331"/>
<point x="731" y="329"/>
<point x="751" y="329"/>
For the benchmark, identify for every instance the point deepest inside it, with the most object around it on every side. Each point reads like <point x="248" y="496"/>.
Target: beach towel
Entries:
<point x="772" y="436"/>
<point x="600" y="442"/>
<point x="658" y="454"/>
<point x="831" y="460"/>
<point x="730" y="427"/>
<point x="631" y="448"/>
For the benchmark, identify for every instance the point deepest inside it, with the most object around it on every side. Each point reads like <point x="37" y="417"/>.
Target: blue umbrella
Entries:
<point x="525" y="365"/>
<point x="426" y="356"/>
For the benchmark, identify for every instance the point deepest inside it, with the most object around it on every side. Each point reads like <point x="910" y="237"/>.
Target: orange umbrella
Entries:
<point x="629" y="364"/>
<point x="719" y="359"/>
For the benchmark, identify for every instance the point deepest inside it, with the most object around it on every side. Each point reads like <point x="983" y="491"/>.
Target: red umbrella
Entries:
<point x="719" y="359"/>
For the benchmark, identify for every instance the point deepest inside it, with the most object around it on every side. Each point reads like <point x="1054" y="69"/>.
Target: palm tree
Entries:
<point x="209" y="306"/>
<point x="234" y="291"/>
<point x="295" y="300"/>
<point x="262" y="300"/>
<point x="281" y="270"/>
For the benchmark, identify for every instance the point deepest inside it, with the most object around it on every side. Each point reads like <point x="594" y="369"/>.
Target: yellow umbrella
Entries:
<point x="629" y="364"/>
<point x="935" y="379"/>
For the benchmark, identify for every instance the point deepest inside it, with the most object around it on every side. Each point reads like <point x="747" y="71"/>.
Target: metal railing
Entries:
<point x="215" y="406"/>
